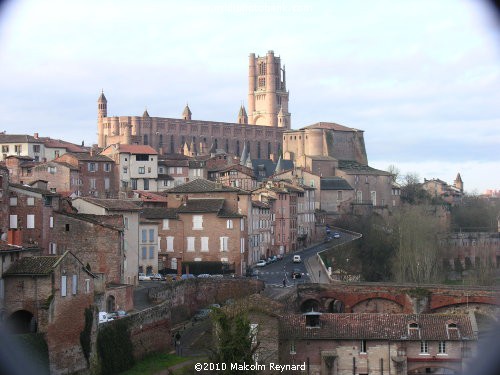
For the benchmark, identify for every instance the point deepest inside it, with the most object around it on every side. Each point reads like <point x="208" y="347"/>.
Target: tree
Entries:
<point x="395" y="172"/>
<point x="412" y="191"/>
<point x="414" y="231"/>
<point x="474" y="214"/>
<point x="233" y="340"/>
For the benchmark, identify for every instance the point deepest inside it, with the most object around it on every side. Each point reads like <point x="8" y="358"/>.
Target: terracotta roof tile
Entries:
<point x="137" y="149"/>
<point x="201" y="185"/>
<point x="351" y="166"/>
<point x="378" y="326"/>
<point x="114" y="204"/>
<point x="35" y="265"/>
<point x="201" y="205"/>
<point x="159" y="213"/>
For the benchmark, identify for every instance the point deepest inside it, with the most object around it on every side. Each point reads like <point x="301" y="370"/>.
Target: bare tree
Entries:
<point x="415" y="232"/>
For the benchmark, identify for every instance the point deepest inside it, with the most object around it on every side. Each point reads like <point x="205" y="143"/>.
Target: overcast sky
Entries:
<point x="421" y="78"/>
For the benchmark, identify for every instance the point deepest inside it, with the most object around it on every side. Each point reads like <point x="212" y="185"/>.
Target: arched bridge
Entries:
<point x="392" y="298"/>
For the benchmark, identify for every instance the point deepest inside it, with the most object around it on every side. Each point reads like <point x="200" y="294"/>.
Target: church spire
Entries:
<point x="242" y="115"/>
<point x="186" y="114"/>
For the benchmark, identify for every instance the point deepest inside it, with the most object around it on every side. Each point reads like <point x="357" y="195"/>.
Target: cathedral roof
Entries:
<point x="331" y="126"/>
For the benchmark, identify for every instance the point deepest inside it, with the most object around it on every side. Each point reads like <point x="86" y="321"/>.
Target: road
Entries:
<point x="274" y="273"/>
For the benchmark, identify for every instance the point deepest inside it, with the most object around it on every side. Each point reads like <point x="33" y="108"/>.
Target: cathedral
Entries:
<point x="261" y="130"/>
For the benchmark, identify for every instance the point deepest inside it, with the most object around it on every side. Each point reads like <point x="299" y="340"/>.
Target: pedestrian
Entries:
<point x="284" y="282"/>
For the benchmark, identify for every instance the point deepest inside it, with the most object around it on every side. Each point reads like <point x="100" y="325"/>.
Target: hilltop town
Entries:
<point x="338" y="265"/>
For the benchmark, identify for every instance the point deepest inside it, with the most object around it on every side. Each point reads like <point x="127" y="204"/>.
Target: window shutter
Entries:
<point x="63" y="286"/>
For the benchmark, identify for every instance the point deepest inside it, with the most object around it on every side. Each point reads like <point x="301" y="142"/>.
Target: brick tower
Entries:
<point x="267" y="93"/>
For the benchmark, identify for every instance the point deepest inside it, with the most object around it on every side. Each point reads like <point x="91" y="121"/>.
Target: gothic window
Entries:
<point x="269" y="151"/>
<point x="172" y="144"/>
<point x="262" y="81"/>
<point x="161" y="141"/>
<point x="146" y="139"/>
<point x="183" y="140"/>
<point x="258" y="150"/>
<point x="237" y="148"/>
<point x="216" y="143"/>
<point x="227" y="145"/>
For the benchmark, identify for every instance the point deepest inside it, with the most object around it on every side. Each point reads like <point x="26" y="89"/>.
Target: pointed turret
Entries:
<point x="244" y="154"/>
<point x="145" y="114"/>
<point x="192" y="148"/>
<point x="248" y="162"/>
<point x="186" y="114"/>
<point x="279" y="166"/>
<point x="185" y="149"/>
<point x="242" y="115"/>
<point x="102" y="106"/>
<point x="213" y="149"/>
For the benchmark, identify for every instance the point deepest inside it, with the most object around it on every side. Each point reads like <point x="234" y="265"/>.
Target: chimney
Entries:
<point x="35" y="135"/>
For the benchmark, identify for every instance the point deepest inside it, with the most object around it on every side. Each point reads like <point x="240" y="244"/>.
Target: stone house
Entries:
<point x="129" y="209"/>
<point x="451" y="194"/>
<point x="176" y="167"/>
<point x="96" y="175"/>
<point x="261" y="237"/>
<point x="61" y="177"/>
<point x="375" y="343"/>
<point x="31" y="212"/>
<point x="136" y="166"/>
<point x="49" y="294"/>
<point x="284" y="216"/>
<point x="223" y="222"/>
<point x="236" y="175"/>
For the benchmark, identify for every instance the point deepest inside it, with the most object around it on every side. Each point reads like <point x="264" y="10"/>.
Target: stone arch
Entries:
<point x="22" y="321"/>
<point x="309" y="305"/>
<point x="334" y="306"/>
<point x="489" y="309"/>
<point x="110" y="303"/>
<point x="377" y="305"/>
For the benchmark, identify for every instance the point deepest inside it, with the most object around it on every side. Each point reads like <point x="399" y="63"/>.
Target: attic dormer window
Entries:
<point x="312" y="319"/>
<point x="413" y="325"/>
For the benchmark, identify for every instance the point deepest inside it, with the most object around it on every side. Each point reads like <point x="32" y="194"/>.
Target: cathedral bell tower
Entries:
<point x="267" y="92"/>
<point x="102" y="112"/>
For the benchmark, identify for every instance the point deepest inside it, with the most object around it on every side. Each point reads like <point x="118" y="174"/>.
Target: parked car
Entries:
<point x="296" y="273"/>
<point x="336" y="235"/>
<point x="186" y="276"/>
<point x="201" y="314"/>
<point x="260" y="263"/>
<point x="143" y="277"/>
<point x="297" y="259"/>
<point x="204" y="276"/>
<point x="157" y="276"/>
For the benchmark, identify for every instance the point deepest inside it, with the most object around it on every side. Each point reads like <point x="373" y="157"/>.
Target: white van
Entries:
<point x="296" y="259"/>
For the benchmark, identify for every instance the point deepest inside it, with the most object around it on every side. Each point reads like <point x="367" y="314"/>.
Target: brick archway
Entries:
<point x="22" y="321"/>
<point x="309" y="305"/>
<point x="378" y="305"/>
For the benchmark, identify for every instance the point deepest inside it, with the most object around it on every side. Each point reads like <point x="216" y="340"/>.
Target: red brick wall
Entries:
<point x="94" y="244"/>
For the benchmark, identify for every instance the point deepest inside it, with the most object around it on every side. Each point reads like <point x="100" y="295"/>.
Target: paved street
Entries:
<point x="310" y="268"/>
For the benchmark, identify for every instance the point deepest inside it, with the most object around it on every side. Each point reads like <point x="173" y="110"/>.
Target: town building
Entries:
<point x="377" y="343"/>
<point x="136" y="166"/>
<point x="451" y="194"/>
<point x="38" y="149"/>
<point x="49" y="294"/>
<point x="214" y="222"/>
<point x="96" y="175"/>
<point x="31" y="212"/>
<point x="129" y="210"/>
